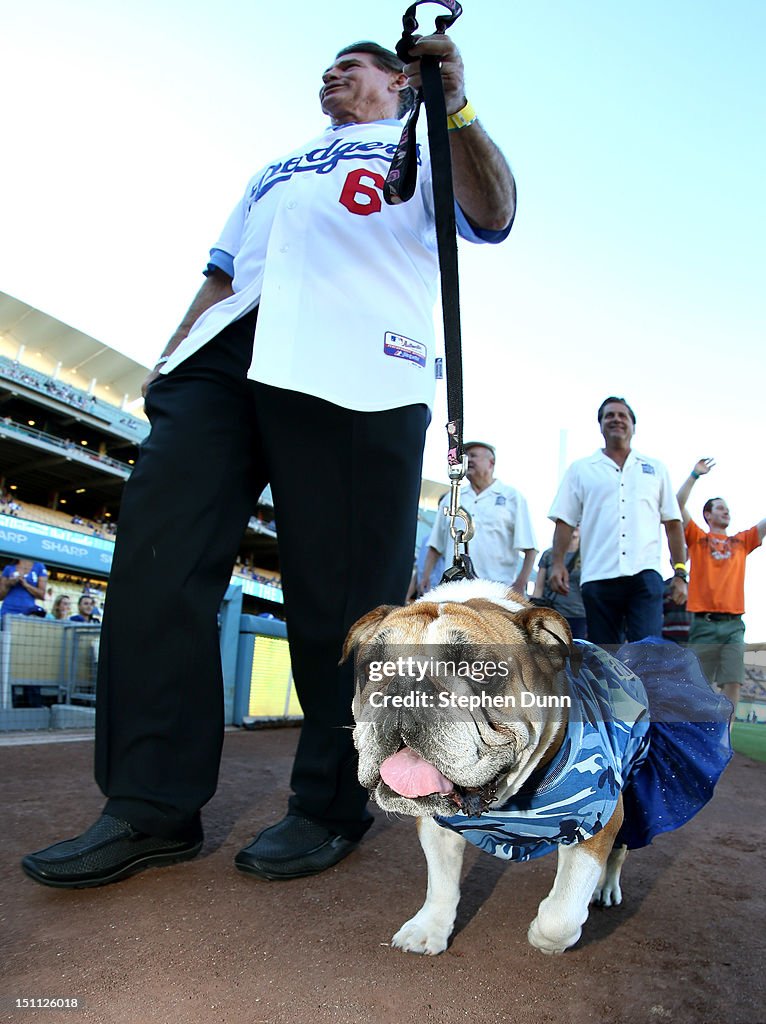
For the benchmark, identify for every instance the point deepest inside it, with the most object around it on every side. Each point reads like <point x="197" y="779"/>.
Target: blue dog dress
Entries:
<point x="645" y="723"/>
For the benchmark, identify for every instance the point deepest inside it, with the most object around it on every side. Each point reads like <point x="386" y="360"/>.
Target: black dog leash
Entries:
<point x="398" y="188"/>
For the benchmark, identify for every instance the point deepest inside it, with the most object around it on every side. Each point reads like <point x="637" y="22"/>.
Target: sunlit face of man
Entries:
<point x="616" y="424"/>
<point x="718" y="517"/>
<point x="481" y="462"/>
<point x="355" y="89"/>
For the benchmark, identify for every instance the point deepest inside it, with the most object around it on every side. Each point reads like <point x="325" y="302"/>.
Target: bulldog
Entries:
<point x="466" y="719"/>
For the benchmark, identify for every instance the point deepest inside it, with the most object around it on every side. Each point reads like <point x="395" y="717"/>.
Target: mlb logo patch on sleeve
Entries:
<point x="405" y="348"/>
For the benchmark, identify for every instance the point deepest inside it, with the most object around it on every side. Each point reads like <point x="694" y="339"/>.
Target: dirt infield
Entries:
<point x="199" y="943"/>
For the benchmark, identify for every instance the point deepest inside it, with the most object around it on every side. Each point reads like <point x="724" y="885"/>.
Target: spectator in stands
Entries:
<point x="22" y="585"/>
<point x="269" y="376"/>
<point x="62" y="607"/>
<point x="86" y="610"/>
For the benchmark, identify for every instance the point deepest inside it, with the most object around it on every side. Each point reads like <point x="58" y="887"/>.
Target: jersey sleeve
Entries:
<point x="231" y="237"/>
<point x="479" y="235"/>
<point x="229" y="241"/>
<point x="464" y="228"/>
<point x="222" y="261"/>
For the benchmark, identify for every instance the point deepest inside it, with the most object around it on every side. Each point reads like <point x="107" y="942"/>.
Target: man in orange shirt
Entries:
<point x="717" y="586"/>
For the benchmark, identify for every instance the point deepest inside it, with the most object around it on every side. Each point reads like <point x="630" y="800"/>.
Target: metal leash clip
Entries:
<point x="462" y="567"/>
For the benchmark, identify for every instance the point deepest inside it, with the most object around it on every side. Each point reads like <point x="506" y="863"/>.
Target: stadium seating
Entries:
<point x="119" y="420"/>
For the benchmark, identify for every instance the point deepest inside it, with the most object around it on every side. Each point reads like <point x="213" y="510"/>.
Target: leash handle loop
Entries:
<point x="402" y="175"/>
<point x="410" y="24"/>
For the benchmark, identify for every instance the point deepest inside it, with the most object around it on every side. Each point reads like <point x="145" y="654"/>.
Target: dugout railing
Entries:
<point x="48" y="670"/>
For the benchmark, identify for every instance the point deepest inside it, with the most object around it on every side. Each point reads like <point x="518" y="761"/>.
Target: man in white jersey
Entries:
<point x="305" y="361"/>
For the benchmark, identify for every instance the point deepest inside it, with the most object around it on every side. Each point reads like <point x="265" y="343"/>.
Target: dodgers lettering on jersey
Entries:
<point x="321" y="161"/>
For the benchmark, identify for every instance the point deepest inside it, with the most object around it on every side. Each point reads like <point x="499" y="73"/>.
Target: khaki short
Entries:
<point x="720" y="647"/>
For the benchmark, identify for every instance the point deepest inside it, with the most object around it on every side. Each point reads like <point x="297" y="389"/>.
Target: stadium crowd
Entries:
<point x="48" y="385"/>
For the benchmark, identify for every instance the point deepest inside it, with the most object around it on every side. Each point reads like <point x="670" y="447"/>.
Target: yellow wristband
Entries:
<point x="680" y="565"/>
<point x="462" y="118"/>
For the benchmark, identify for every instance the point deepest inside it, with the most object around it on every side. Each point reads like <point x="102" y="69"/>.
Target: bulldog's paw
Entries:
<point x="422" y="935"/>
<point x="550" y="943"/>
<point x="607" y="894"/>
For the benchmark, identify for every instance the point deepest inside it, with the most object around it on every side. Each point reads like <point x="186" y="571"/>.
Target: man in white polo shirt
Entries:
<point x="305" y="361"/>
<point x="619" y="499"/>
<point x="504" y="545"/>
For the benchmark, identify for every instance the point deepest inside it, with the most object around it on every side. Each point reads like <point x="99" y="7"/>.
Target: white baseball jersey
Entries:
<point x="619" y="512"/>
<point x="345" y="283"/>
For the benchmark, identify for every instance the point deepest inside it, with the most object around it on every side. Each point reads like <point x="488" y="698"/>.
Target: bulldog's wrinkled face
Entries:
<point x="457" y="701"/>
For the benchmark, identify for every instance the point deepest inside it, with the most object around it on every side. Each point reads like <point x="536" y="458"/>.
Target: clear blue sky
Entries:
<point x="636" y="266"/>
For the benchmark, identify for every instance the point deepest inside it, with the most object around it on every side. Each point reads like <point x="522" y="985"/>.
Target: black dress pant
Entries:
<point x="624" y="608"/>
<point x="345" y="487"/>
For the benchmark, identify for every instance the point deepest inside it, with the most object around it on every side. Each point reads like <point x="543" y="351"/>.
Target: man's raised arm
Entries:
<point x="701" y="467"/>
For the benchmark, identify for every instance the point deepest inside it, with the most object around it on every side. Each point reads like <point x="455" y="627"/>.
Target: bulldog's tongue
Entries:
<point x="409" y="775"/>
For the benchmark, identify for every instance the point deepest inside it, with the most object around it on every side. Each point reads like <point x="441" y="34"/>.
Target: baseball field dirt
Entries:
<point x="199" y="943"/>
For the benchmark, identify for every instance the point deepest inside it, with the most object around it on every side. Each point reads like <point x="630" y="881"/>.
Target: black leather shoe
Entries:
<point x="294" y="848"/>
<point x="109" y="851"/>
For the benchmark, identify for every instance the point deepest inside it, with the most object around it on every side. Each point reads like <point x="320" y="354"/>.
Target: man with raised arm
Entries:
<point x="717" y="586"/>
